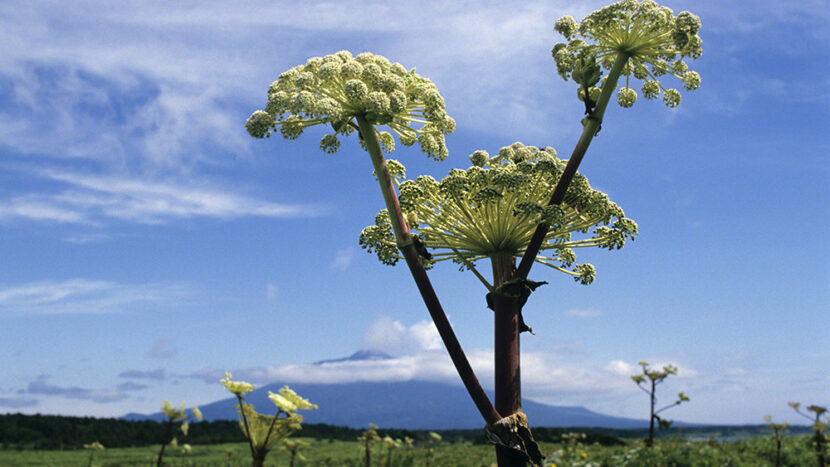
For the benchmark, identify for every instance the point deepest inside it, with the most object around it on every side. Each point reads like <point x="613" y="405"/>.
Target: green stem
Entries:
<point x="167" y="432"/>
<point x="407" y="247"/>
<point x="245" y="424"/>
<point x="592" y="125"/>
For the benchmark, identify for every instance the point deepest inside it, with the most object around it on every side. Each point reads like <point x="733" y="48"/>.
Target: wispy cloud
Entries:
<point x="84" y="296"/>
<point x="131" y="386"/>
<point x="271" y="293"/>
<point x="163" y="82"/>
<point x="41" y="386"/>
<point x="17" y="402"/>
<point x="582" y="313"/>
<point x="343" y="259"/>
<point x="162" y="350"/>
<point x="155" y="375"/>
<point x="95" y="199"/>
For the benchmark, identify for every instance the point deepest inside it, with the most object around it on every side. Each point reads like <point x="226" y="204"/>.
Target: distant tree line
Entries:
<point x="18" y="431"/>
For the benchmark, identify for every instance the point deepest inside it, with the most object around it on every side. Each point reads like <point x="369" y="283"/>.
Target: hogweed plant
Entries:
<point x="367" y="439"/>
<point x="293" y="448"/>
<point x="265" y="431"/>
<point x="170" y="417"/>
<point x="361" y="93"/>
<point x="390" y="444"/>
<point x="93" y="446"/>
<point x="434" y="439"/>
<point x="820" y="421"/>
<point x="777" y="431"/>
<point x="647" y="381"/>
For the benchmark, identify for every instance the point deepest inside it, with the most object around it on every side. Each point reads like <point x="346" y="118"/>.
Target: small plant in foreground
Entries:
<point x="368" y="439"/>
<point x="820" y="421"/>
<point x="390" y="444"/>
<point x="647" y="382"/>
<point x="264" y="431"/>
<point x="572" y="451"/>
<point x="93" y="446"/>
<point x="434" y="438"/>
<point x="293" y="447"/>
<point x="174" y="416"/>
<point x="777" y="430"/>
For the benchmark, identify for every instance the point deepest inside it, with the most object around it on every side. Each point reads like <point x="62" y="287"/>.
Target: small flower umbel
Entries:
<point x="336" y="89"/>
<point x="264" y="431"/>
<point x="175" y="415"/>
<point x="647" y="381"/>
<point x="647" y="40"/>
<point x="820" y="421"/>
<point x="495" y="206"/>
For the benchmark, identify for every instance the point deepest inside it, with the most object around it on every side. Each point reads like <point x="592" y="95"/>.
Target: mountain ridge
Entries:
<point x="412" y="404"/>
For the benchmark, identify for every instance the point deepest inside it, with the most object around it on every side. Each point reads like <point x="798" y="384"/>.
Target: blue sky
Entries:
<point x="149" y="244"/>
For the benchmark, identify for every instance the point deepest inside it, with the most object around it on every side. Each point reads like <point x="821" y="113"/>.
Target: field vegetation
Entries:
<point x="38" y="440"/>
<point x="758" y="451"/>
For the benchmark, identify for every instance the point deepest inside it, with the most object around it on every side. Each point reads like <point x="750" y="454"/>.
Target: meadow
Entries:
<point x="756" y="451"/>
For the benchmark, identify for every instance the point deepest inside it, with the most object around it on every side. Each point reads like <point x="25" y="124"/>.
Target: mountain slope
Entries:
<point x="405" y="405"/>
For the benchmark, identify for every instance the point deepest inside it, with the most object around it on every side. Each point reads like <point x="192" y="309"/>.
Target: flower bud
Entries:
<point x="479" y="158"/>
<point x="651" y="89"/>
<point x="671" y="98"/>
<point x="691" y="80"/>
<point x="626" y="97"/>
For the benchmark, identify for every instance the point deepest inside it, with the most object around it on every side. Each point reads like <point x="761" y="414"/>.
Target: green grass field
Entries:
<point x="756" y="452"/>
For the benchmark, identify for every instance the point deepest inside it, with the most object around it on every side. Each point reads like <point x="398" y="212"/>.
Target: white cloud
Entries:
<point x="582" y="313"/>
<point x="393" y="337"/>
<point x="420" y="355"/>
<point x="94" y="199"/>
<point x="85" y="296"/>
<point x="343" y="259"/>
<point x="619" y="367"/>
<point x="271" y="291"/>
<point x="385" y="334"/>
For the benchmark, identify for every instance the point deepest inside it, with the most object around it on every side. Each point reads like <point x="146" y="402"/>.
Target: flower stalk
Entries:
<point x="590" y="129"/>
<point x="419" y="275"/>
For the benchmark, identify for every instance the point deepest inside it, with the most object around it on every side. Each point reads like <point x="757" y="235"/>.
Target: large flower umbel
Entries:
<point x="334" y="89"/>
<point x="494" y="207"/>
<point x="653" y="39"/>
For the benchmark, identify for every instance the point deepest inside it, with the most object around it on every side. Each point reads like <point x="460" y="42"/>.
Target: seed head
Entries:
<point x="654" y="40"/>
<point x="335" y="89"/>
<point x="495" y="205"/>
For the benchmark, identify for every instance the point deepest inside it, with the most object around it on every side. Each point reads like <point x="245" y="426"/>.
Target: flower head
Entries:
<point x="172" y="413"/>
<point x="294" y="398"/>
<point x="334" y="89"/>
<point x="282" y="403"/>
<point x="652" y="38"/>
<point x="495" y="206"/>
<point x="237" y="387"/>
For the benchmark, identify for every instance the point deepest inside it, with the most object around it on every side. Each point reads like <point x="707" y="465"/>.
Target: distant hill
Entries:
<point x="410" y="405"/>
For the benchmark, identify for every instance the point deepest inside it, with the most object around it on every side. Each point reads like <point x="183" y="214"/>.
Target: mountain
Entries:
<point x="405" y="405"/>
<point x="360" y="355"/>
